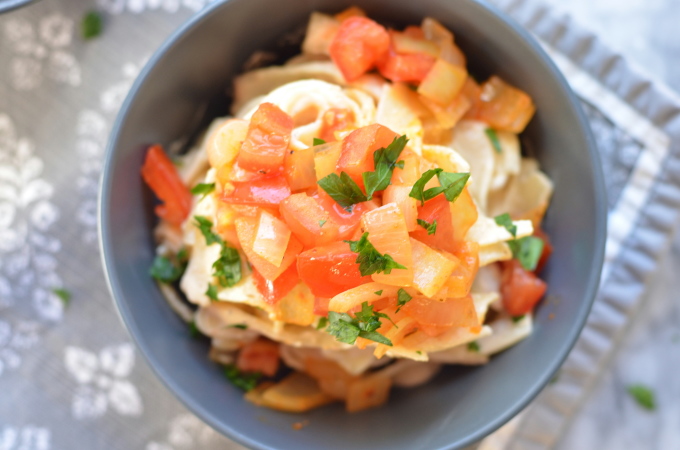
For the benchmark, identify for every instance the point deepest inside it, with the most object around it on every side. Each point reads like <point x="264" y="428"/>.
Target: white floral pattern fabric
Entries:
<point x="29" y="437"/>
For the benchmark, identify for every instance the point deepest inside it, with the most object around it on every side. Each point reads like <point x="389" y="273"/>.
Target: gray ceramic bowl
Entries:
<point x="9" y="5"/>
<point x="462" y="405"/>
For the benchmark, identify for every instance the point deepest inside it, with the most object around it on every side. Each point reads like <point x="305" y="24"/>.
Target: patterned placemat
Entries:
<point x="70" y="376"/>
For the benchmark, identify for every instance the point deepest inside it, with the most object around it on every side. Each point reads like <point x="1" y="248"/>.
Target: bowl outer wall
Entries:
<point x="460" y="406"/>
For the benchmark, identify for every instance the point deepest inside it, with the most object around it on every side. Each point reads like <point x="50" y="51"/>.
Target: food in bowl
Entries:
<point x="364" y="217"/>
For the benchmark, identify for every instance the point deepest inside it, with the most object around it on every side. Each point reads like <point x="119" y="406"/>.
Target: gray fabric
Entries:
<point x="70" y="376"/>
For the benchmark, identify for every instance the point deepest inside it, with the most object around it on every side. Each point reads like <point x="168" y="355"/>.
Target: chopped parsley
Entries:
<point x="505" y="220"/>
<point x="168" y="270"/>
<point x="342" y="189"/>
<point x="643" y="396"/>
<point x="430" y="227"/>
<point x="451" y="185"/>
<point x="493" y="137"/>
<point x="193" y="330"/>
<point x="323" y="322"/>
<point x="317" y="141"/>
<point x="517" y="318"/>
<point x="526" y="250"/>
<point x="240" y="326"/>
<point x="64" y="296"/>
<point x="403" y="298"/>
<point x="385" y="160"/>
<point x="203" y="189"/>
<point x="245" y="381"/>
<point x="211" y="292"/>
<point x="473" y="346"/>
<point x="378" y="292"/>
<point x="322" y="223"/>
<point x="347" y="329"/>
<point x="91" y="25"/>
<point x="370" y="260"/>
<point x="419" y="352"/>
<point x="205" y="226"/>
<point x="227" y="268"/>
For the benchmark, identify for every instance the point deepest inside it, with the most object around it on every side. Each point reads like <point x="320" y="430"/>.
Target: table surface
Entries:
<point x="645" y="32"/>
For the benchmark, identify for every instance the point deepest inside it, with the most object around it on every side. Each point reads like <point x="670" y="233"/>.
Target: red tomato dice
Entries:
<point x="408" y="67"/>
<point x="263" y="192"/>
<point x="335" y="119"/>
<point x="436" y="209"/>
<point x="358" y="45"/>
<point x="330" y="270"/>
<point x="356" y="156"/>
<point x="160" y="174"/>
<point x="308" y="220"/>
<point x="346" y="221"/>
<point x="521" y="290"/>
<point x="273" y="291"/>
<point x="267" y="140"/>
<point x="261" y="355"/>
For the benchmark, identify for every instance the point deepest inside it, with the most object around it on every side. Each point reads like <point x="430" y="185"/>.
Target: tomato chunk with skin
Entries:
<point x="273" y="291"/>
<point x="267" y="140"/>
<point x="310" y="222"/>
<point x="260" y="355"/>
<point x="463" y="215"/>
<point x="408" y="67"/>
<point x="358" y="45"/>
<point x="271" y="238"/>
<point x="521" y="290"/>
<point x="436" y="209"/>
<point x="460" y="282"/>
<point x="335" y="119"/>
<point x="264" y="192"/>
<point x="453" y="312"/>
<point x="160" y="174"/>
<point x="299" y="168"/>
<point x="356" y="156"/>
<point x="330" y="270"/>
<point x="347" y="221"/>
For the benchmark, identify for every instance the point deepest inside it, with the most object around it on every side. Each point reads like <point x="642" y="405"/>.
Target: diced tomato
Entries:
<point x="387" y="232"/>
<point x="408" y="205"/>
<point x="335" y="119"/>
<point x="161" y="176"/>
<point x="521" y="290"/>
<point x="271" y="239"/>
<point x="359" y="44"/>
<point x="357" y="150"/>
<point x="264" y="192"/>
<point x="330" y="270"/>
<point x="410" y="173"/>
<point x="408" y="67"/>
<point x="310" y="222"/>
<point x="414" y="31"/>
<point x="267" y="140"/>
<point x="463" y="215"/>
<point x="299" y="169"/>
<point x="321" y="306"/>
<point x="547" y="249"/>
<point x="326" y="158"/>
<point x="352" y="11"/>
<point x="505" y="107"/>
<point x="436" y="209"/>
<point x="405" y="43"/>
<point x="443" y="82"/>
<point x="273" y="291"/>
<point x="260" y="355"/>
<point x="473" y="92"/>
<point x="453" y="312"/>
<point x="347" y="221"/>
<point x="246" y="227"/>
<point x="460" y="282"/>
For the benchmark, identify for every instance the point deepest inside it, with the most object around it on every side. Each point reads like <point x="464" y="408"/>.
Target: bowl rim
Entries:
<point x="10" y="5"/>
<point x="522" y="401"/>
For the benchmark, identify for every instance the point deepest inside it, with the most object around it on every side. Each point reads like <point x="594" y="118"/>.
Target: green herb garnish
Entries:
<point x="64" y="296"/>
<point x="211" y="292"/>
<point x="342" y="189"/>
<point x="430" y="227"/>
<point x="516" y="319"/>
<point x="245" y="381"/>
<point x="403" y="298"/>
<point x="378" y="292"/>
<point x="203" y="189"/>
<point x="384" y="160"/>
<point x="166" y="270"/>
<point x="451" y="185"/>
<point x="493" y="137"/>
<point x="227" y="268"/>
<point x="317" y="141"/>
<point x="505" y="220"/>
<point x="643" y="396"/>
<point x="527" y="251"/>
<point x="240" y="326"/>
<point x="193" y="330"/>
<point x="370" y="260"/>
<point x="205" y="226"/>
<point x="91" y="25"/>
<point x="323" y="322"/>
<point x="322" y="222"/>
<point x="347" y="329"/>
<point x="473" y="346"/>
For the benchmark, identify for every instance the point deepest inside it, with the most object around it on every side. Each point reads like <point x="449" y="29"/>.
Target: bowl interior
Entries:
<point x="191" y="72"/>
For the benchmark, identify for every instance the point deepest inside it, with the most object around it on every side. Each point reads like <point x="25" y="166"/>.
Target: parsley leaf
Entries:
<point x="378" y="292"/>
<point x="193" y="330"/>
<point x="317" y="141"/>
<point x="91" y="25"/>
<point x="63" y="294"/>
<point x="643" y="396"/>
<point x="370" y="260"/>
<point x="240" y="326"/>
<point x="403" y="298"/>
<point x="342" y="326"/>
<point x="418" y="192"/>
<point x="451" y="185"/>
<point x="430" y="227"/>
<point x="375" y="336"/>
<point x="165" y="270"/>
<point x="205" y="226"/>
<point x="323" y="323"/>
<point x="516" y="319"/>
<point x="211" y="292"/>
<point x="245" y="381"/>
<point x="227" y="268"/>
<point x="384" y="160"/>
<point x="527" y="251"/>
<point x="347" y="329"/>
<point x="505" y="220"/>
<point x="342" y="189"/>
<point x="493" y="137"/>
<point x="203" y="189"/>
<point x="322" y="222"/>
<point x="473" y="346"/>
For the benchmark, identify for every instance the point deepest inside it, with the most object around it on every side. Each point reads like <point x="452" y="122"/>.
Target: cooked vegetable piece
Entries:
<point x="384" y="160"/>
<point x="460" y="282"/>
<point x="396" y="334"/>
<point x="443" y="82"/>
<point x="366" y="292"/>
<point x="271" y="238"/>
<point x="225" y="142"/>
<point x="358" y="148"/>
<point x="295" y="393"/>
<point x="358" y="45"/>
<point x="368" y="392"/>
<point x="409" y="42"/>
<point x="521" y="290"/>
<point x="246" y="227"/>
<point x="267" y="140"/>
<point x="408" y="173"/>
<point x="308" y="220"/>
<point x="259" y="356"/>
<point x="160" y="174"/>
<point x="330" y="270"/>
<point x="437" y="210"/>
<point x="448" y="116"/>
<point x="332" y="379"/>
<point x="348" y="221"/>
<point x="299" y="169"/>
<point x="321" y="30"/>
<point x="296" y="307"/>
<point x="463" y="215"/>
<point x="431" y="269"/>
<point x="335" y="120"/>
<point x="326" y="158"/>
<point x="399" y="195"/>
<point x="438" y="34"/>
<point x="263" y="192"/>
<point x="453" y="312"/>
<point x="388" y="233"/>
<point x="505" y="107"/>
<point x="408" y="67"/>
<point x="273" y="291"/>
